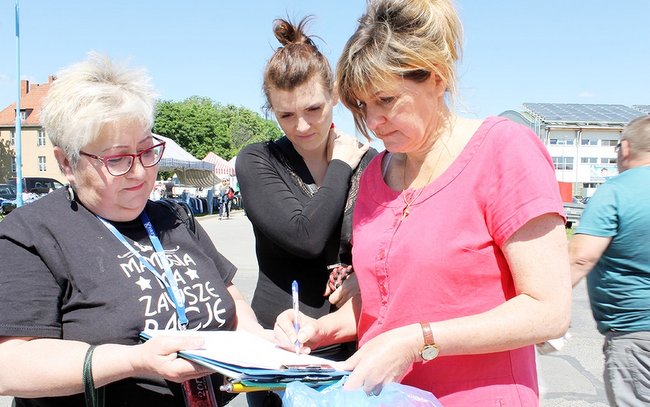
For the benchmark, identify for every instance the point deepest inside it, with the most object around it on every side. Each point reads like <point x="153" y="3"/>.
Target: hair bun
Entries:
<point x="288" y="33"/>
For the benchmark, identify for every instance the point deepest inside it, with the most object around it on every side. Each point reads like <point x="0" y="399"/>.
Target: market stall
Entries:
<point x="188" y="169"/>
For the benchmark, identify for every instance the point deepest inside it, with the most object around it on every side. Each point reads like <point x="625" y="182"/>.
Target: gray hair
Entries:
<point x="90" y="95"/>
<point x="637" y="134"/>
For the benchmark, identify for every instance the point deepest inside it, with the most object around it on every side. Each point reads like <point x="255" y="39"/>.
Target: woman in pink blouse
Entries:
<point x="458" y="231"/>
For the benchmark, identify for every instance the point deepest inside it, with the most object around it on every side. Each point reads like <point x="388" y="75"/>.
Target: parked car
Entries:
<point x="37" y="185"/>
<point x="7" y="205"/>
<point x="7" y="198"/>
<point x="7" y="191"/>
<point x="33" y="188"/>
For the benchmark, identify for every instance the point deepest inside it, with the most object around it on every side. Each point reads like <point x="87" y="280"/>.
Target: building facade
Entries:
<point x="37" y="152"/>
<point x="581" y="138"/>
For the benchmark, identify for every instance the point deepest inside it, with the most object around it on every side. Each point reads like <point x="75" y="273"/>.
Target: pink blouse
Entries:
<point x="444" y="260"/>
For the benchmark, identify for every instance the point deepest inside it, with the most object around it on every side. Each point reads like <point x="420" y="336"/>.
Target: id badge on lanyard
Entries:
<point x="196" y="392"/>
<point x="199" y="392"/>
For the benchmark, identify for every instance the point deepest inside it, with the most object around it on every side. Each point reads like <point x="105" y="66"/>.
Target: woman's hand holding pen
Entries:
<point x="345" y="148"/>
<point x="308" y="336"/>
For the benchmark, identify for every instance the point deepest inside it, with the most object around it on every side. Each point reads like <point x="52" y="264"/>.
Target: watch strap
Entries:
<point x="428" y="335"/>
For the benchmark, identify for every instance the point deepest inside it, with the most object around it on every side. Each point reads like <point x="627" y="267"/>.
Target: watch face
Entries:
<point x="429" y="352"/>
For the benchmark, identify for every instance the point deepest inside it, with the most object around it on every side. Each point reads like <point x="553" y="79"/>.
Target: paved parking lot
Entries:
<point x="571" y="377"/>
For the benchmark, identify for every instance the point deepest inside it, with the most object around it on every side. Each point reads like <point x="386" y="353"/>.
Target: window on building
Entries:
<point x="561" y="142"/>
<point x="588" y="142"/>
<point x="13" y="165"/>
<point x="42" y="164"/>
<point x="608" y="143"/>
<point x="40" y="141"/>
<point x="13" y="138"/>
<point x="563" y="163"/>
<point x="606" y="160"/>
<point x="589" y="185"/>
<point x="588" y="160"/>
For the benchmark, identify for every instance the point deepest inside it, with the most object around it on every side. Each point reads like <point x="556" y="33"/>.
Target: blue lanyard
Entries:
<point x="168" y="280"/>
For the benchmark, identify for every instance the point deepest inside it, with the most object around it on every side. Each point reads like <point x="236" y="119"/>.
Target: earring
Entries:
<point x="69" y="193"/>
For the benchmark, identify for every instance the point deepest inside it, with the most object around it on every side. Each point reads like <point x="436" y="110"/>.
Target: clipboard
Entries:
<point x="253" y="361"/>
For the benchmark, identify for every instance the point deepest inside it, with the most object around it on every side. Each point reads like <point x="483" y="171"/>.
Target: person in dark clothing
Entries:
<point x="169" y="188"/>
<point x="298" y="187"/>
<point x="88" y="267"/>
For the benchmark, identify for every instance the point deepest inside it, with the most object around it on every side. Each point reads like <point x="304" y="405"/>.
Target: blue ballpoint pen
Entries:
<point x="296" y="312"/>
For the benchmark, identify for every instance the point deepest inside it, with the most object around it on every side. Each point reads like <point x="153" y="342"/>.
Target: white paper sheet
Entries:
<point x="244" y="349"/>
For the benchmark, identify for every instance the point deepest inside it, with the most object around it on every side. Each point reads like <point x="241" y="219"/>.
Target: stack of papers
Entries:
<point x="253" y="363"/>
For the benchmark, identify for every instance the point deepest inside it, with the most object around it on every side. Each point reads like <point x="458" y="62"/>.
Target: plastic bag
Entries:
<point x="553" y="345"/>
<point x="298" y="394"/>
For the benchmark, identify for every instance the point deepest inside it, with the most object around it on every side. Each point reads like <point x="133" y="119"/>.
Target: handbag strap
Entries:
<point x="182" y="211"/>
<point x="94" y="397"/>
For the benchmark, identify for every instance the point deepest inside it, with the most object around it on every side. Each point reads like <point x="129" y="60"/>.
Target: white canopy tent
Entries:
<point x="188" y="169"/>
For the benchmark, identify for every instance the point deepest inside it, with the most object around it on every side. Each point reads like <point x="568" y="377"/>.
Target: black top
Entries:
<point x="65" y="275"/>
<point x="297" y="226"/>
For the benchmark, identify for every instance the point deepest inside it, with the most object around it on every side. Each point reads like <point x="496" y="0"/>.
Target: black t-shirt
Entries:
<point x="65" y="275"/>
<point x="297" y="227"/>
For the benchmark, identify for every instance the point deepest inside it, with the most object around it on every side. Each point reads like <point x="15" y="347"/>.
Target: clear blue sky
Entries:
<point x="561" y="51"/>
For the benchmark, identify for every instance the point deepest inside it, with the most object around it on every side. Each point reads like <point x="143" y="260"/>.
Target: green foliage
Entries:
<point x="6" y="156"/>
<point x="200" y="125"/>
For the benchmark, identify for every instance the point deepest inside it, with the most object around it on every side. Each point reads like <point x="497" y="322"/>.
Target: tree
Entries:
<point x="7" y="155"/>
<point x="248" y="127"/>
<point x="199" y="125"/>
<point x="193" y="124"/>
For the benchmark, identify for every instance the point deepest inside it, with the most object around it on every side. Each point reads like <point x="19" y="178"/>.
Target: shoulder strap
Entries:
<point x="182" y="212"/>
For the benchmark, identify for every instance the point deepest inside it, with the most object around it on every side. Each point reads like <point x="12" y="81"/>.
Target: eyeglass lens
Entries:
<point x="121" y="164"/>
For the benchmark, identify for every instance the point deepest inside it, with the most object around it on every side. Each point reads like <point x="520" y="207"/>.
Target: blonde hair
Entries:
<point x="297" y="61"/>
<point x="411" y="39"/>
<point x="90" y="95"/>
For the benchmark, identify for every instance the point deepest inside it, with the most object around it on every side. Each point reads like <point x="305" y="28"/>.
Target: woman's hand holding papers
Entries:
<point x="384" y="359"/>
<point x="158" y="357"/>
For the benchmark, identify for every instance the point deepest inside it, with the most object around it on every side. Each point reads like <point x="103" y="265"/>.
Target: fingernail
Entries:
<point x="332" y="126"/>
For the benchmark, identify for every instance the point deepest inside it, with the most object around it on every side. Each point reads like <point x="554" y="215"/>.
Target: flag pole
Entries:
<point x="18" y="138"/>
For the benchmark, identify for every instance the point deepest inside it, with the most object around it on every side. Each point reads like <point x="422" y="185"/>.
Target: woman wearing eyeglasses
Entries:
<point x="85" y="269"/>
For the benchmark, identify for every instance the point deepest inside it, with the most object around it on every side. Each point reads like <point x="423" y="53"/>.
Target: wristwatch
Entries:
<point x="430" y="350"/>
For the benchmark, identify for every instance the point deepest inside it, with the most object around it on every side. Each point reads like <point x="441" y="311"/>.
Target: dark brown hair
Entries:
<point x="297" y="61"/>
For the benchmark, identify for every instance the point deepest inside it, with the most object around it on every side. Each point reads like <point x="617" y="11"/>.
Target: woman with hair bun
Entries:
<point x="300" y="189"/>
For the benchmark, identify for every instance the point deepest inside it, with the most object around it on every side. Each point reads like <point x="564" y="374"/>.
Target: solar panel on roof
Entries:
<point x="642" y="108"/>
<point x="588" y="113"/>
